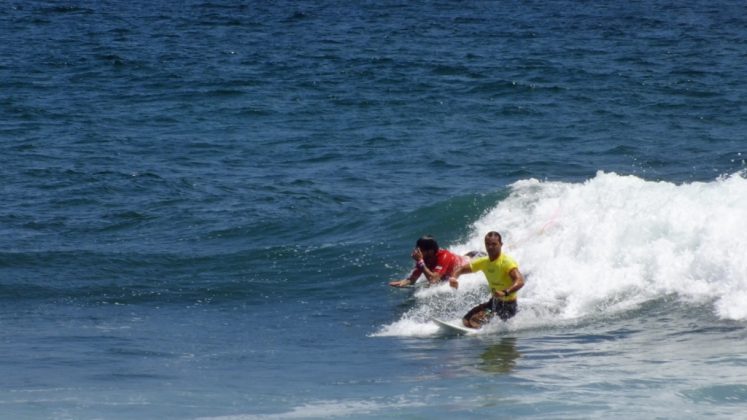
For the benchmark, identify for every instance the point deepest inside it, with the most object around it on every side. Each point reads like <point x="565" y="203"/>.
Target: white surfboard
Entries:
<point x="451" y="328"/>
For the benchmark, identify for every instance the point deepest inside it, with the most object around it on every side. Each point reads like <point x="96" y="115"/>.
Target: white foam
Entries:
<point x="437" y="301"/>
<point x="333" y="408"/>
<point x="613" y="242"/>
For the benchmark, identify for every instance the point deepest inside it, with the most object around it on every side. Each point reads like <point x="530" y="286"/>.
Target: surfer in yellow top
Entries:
<point x="504" y="280"/>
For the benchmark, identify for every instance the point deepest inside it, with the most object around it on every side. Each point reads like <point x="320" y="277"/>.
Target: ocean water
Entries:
<point x="203" y="202"/>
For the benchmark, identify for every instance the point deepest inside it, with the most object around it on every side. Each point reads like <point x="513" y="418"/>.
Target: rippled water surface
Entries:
<point x="203" y="202"/>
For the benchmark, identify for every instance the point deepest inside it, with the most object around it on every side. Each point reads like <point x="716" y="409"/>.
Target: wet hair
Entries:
<point x="493" y="234"/>
<point x="427" y="242"/>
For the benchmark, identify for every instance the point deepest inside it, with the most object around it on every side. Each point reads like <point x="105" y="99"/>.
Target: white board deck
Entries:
<point x="451" y="328"/>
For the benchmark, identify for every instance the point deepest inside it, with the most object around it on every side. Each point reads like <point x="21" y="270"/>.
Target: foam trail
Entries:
<point x="607" y="245"/>
<point x="332" y="409"/>
<point x="438" y="301"/>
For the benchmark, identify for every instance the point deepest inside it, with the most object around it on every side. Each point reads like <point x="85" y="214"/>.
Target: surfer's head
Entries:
<point x="494" y="234"/>
<point x="427" y="243"/>
<point x="493" y="243"/>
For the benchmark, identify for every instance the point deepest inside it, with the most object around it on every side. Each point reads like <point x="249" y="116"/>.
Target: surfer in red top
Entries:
<point x="434" y="263"/>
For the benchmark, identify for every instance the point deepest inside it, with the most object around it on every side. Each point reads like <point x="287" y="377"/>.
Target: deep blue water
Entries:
<point x="203" y="202"/>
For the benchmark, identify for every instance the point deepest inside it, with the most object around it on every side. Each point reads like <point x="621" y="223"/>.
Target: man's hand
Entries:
<point x="453" y="282"/>
<point x="400" y="283"/>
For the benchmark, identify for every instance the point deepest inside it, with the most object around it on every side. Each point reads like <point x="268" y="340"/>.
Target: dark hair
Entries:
<point x="427" y="242"/>
<point x="493" y="234"/>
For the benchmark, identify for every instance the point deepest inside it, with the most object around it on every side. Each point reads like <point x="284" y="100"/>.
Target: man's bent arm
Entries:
<point x="518" y="282"/>
<point x="453" y="282"/>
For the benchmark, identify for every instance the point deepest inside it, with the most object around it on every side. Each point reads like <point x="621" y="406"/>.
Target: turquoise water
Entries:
<point x="203" y="202"/>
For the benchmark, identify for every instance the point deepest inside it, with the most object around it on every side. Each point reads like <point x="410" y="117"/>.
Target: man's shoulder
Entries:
<point x="508" y="260"/>
<point x="480" y="261"/>
<point x="445" y="253"/>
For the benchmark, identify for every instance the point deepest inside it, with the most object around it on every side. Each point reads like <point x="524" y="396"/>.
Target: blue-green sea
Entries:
<point x="203" y="202"/>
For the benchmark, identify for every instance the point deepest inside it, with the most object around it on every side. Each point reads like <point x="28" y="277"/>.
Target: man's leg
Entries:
<point x="478" y="315"/>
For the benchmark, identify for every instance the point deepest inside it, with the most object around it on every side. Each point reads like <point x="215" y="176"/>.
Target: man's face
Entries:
<point x="493" y="246"/>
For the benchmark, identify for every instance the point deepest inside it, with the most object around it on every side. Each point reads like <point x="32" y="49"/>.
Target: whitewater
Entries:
<point x="608" y="245"/>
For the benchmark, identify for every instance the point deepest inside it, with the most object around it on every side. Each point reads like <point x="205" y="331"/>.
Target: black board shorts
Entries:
<point x="504" y="310"/>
